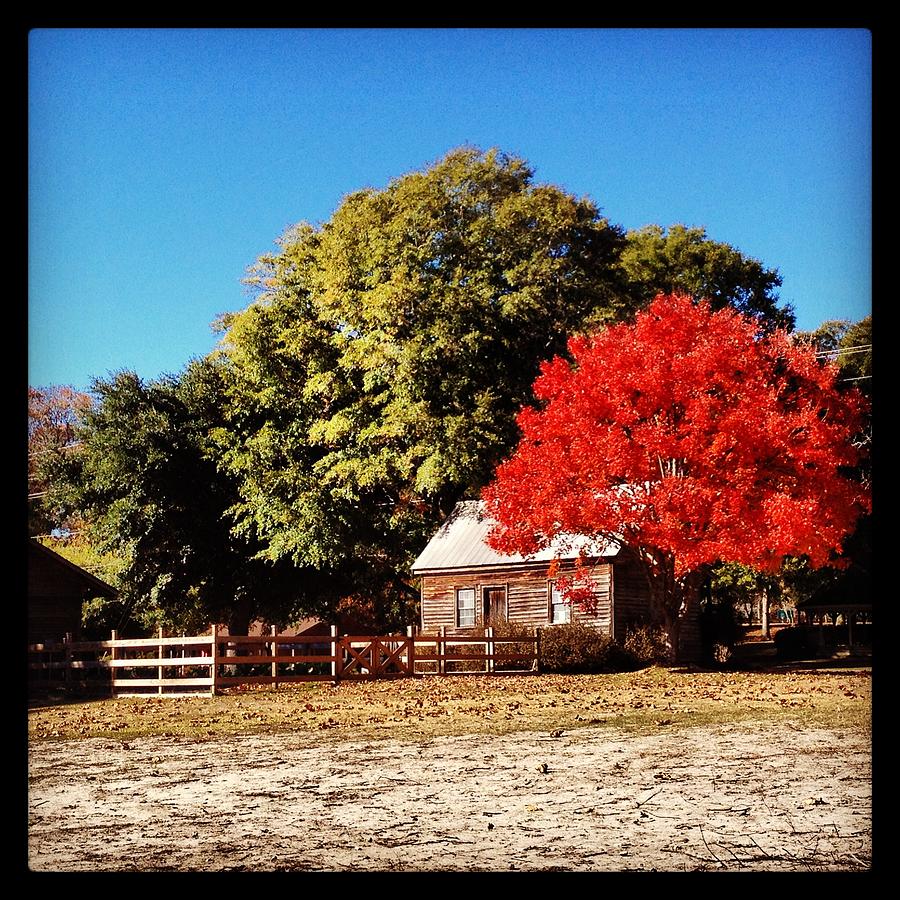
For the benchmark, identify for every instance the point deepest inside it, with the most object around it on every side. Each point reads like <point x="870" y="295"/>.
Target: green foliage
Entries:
<point x="521" y="638"/>
<point x="376" y="377"/>
<point x="372" y="383"/>
<point x="735" y="592"/>
<point x="574" y="648"/>
<point x="855" y="354"/>
<point x="53" y="417"/>
<point x="155" y="500"/>
<point x="684" y="260"/>
<point x="849" y="346"/>
<point x="80" y="552"/>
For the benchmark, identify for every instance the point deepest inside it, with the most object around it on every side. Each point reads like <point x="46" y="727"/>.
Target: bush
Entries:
<point x="476" y="651"/>
<point x="798" y="642"/>
<point x="719" y="632"/>
<point x="523" y="635"/>
<point x="581" y="649"/>
<point x="646" y="644"/>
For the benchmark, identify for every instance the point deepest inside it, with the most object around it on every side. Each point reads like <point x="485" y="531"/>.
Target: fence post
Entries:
<point x="214" y="666"/>
<point x="536" y="665"/>
<point x="159" y="656"/>
<point x="274" y="648"/>
<point x="441" y="651"/>
<point x="411" y="650"/>
<point x="67" y="647"/>
<point x="489" y="648"/>
<point x="112" y="669"/>
<point x="337" y="661"/>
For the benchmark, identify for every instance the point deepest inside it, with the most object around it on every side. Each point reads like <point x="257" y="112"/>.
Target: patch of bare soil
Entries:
<point x="736" y="797"/>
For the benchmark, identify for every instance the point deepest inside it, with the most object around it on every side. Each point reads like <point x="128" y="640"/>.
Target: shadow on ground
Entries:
<point x="759" y="655"/>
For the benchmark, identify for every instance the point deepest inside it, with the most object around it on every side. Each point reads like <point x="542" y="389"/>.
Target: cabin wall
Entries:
<point x="527" y="597"/>
<point x="632" y="608"/>
<point x="56" y="589"/>
<point x="51" y="618"/>
<point x="621" y="593"/>
<point x="54" y="601"/>
<point x="600" y="616"/>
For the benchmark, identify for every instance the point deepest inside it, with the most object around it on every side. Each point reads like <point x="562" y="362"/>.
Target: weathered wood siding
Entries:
<point x="527" y="597"/>
<point x="601" y="617"/>
<point x="631" y="607"/>
<point x="50" y="618"/>
<point x="54" y="605"/>
<point x="690" y="649"/>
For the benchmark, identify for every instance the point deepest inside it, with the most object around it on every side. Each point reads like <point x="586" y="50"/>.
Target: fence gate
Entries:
<point x="377" y="657"/>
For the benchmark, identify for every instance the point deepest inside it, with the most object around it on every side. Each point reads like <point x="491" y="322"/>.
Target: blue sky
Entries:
<point x="162" y="162"/>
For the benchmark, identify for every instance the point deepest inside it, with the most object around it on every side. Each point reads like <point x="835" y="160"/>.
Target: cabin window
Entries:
<point x="465" y="607"/>
<point x="560" y="608"/>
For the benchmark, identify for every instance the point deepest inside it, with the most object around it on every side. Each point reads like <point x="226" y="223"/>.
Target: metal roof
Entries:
<point x="461" y="543"/>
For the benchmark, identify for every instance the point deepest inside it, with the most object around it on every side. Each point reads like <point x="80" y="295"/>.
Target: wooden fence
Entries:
<point x="204" y="664"/>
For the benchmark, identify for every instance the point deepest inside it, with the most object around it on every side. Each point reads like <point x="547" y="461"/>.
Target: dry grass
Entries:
<point x="434" y="706"/>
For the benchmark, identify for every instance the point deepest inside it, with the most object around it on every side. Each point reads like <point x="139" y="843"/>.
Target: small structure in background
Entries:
<point x="467" y="585"/>
<point x="56" y="590"/>
<point x="842" y="612"/>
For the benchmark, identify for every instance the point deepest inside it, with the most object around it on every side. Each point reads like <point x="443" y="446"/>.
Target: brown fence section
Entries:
<point x="204" y="664"/>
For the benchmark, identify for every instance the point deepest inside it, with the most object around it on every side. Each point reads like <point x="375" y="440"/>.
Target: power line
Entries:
<point x="859" y="348"/>
<point x="55" y="449"/>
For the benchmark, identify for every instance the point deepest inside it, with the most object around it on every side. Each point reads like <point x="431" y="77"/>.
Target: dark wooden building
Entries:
<point x="56" y="590"/>
<point x="465" y="584"/>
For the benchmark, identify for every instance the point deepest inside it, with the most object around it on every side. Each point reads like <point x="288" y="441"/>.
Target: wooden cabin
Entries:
<point x="466" y="585"/>
<point x="56" y="590"/>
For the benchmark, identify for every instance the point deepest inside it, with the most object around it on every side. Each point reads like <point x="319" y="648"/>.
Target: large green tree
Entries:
<point x="153" y="495"/>
<point x="683" y="260"/>
<point x="376" y="377"/>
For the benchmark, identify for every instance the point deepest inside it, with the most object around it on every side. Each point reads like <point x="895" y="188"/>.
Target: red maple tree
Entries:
<point x="691" y="437"/>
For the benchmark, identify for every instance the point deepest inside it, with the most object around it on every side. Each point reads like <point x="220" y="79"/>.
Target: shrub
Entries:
<point x="476" y="651"/>
<point x="574" y="649"/>
<point x="798" y="642"/>
<point x="719" y="632"/>
<point x="523" y="637"/>
<point x="646" y="644"/>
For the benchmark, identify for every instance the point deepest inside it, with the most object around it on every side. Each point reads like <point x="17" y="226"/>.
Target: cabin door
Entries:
<point x="494" y="605"/>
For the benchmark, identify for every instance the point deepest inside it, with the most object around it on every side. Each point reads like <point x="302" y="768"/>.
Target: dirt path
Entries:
<point x="734" y="798"/>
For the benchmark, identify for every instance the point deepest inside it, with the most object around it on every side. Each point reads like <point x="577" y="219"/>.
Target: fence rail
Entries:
<point x="203" y="664"/>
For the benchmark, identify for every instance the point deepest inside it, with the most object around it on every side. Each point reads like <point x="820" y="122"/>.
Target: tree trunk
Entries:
<point x="681" y="608"/>
<point x="238" y="624"/>
<point x="239" y="618"/>
<point x="673" y="634"/>
<point x="673" y="600"/>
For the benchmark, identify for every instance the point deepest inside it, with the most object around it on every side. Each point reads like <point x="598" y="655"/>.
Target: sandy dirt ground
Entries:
<point x="735" y="798"/>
